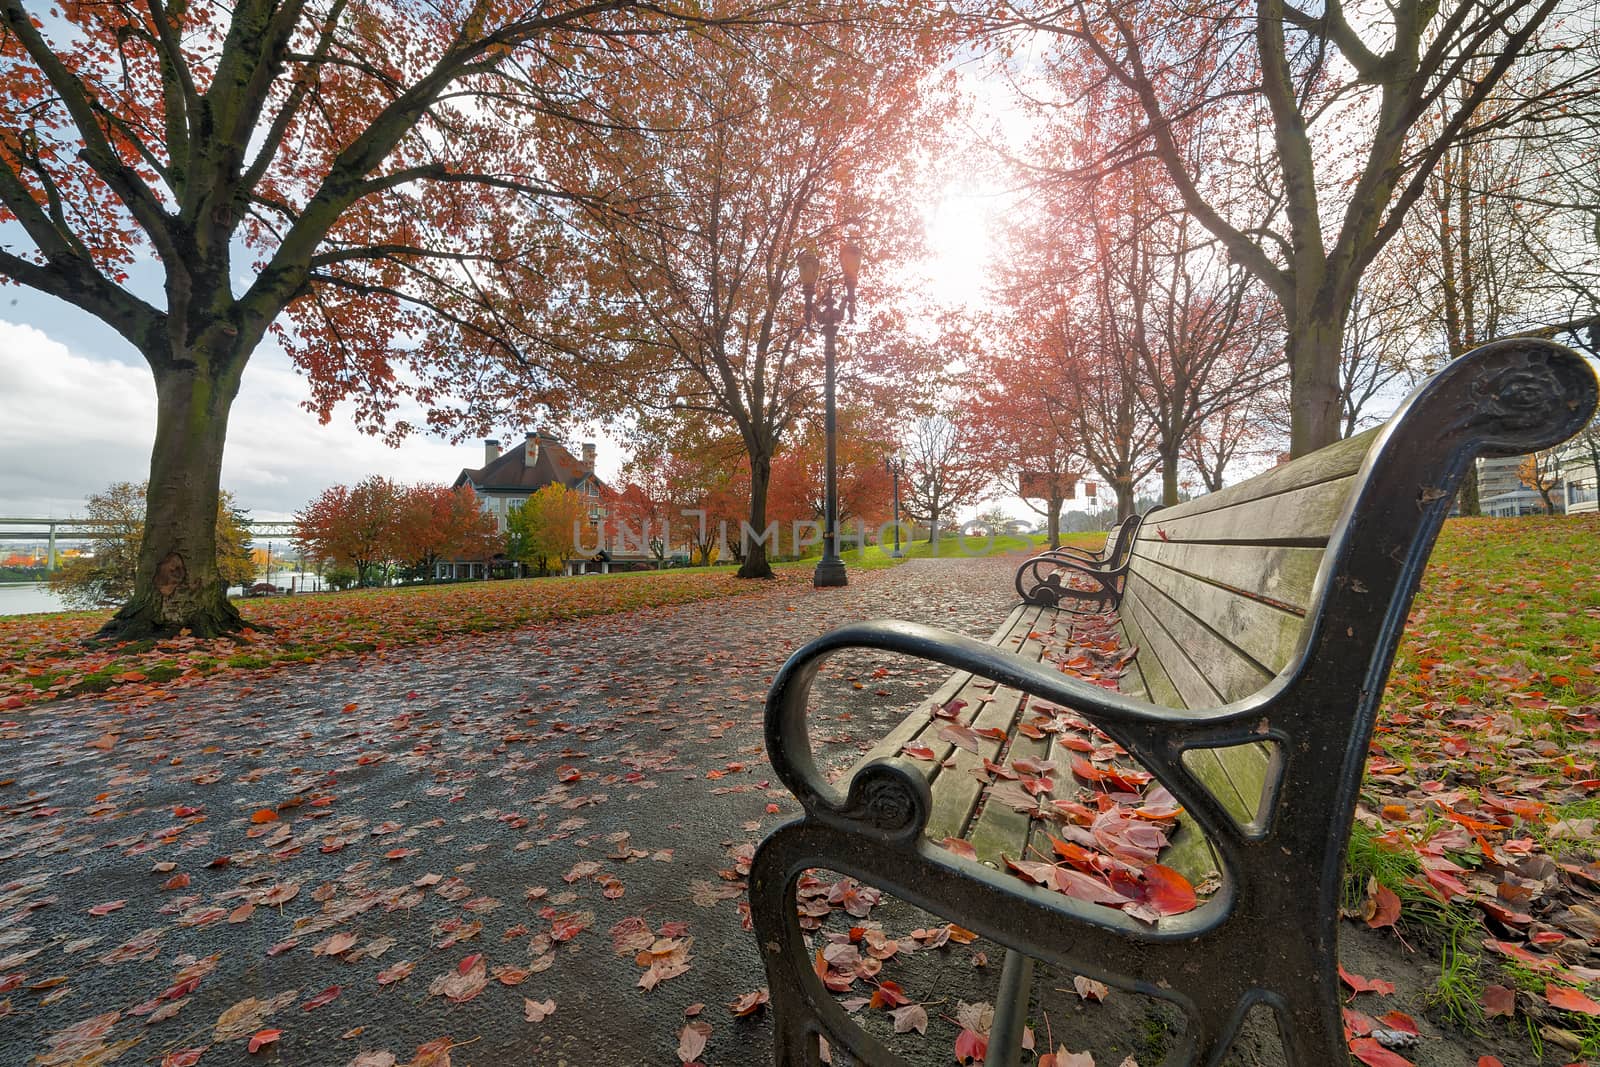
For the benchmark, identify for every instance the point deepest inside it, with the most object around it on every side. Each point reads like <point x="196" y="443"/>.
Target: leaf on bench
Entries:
<point x="960" y="847"/>
<point x="962" y="736"/>
<point x="1128" y="781"/>
<point x="921" y="752"/>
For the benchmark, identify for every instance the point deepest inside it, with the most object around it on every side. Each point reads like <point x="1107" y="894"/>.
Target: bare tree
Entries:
<point x="1294" y="133"/>
<point x="945" y="470"/>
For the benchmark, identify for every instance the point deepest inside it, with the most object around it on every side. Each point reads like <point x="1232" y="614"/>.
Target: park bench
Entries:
<point x="1259" y="624"/>
<point x="1086" y="581"/>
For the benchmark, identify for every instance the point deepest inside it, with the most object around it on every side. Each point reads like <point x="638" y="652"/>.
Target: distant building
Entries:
<point x="1501" y="491"/>
<point x="1581" y="482"/>
<point x="507" y="479"/>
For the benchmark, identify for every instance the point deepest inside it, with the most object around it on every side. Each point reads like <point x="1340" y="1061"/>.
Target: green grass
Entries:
<point x="951" y="546"/>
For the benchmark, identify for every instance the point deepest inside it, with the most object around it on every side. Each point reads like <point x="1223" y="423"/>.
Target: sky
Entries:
<point x="77" y="402"/>
<point x="79" y="413"/>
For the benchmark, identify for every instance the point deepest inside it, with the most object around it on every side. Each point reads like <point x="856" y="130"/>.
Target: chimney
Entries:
<point x="588" y="456"/>
<point x="491" y="451"/>
<point x="530" y="450"/>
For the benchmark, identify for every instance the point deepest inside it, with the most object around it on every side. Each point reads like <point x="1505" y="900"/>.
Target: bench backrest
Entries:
<point x="1242" y="563"/>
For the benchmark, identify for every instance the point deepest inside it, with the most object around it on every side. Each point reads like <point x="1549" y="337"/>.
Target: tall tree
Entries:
<point x="545" y="529"/>
<point x="1294" y="132"/>
<point x="945" y="470"/>
<point x="1032" y="443"/>
<point x="356" y="526"/>
<point x="377" y="166"/>
<point x="437" y="522"/>
<point x="793" y="142"/>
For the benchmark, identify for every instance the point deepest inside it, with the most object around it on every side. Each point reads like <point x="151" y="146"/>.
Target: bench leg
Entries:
<point x="1010" y="1011"/>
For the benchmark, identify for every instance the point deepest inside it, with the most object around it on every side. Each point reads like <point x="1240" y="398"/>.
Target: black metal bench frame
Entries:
<point x="1268" y="936"/>
<point x="1040" y="579"/>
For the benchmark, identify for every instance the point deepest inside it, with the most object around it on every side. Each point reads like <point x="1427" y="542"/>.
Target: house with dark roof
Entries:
<point x="507" y="479"/>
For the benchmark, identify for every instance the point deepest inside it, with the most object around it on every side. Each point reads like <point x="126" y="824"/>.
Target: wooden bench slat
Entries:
<point x="1278" y="574"/>
<point x="1337" y="461"/>
<point x="1023" y="617"/>
<point x="956" y="791"/>
<point x="1194" y="688"/>
<point x="1300" y="516"/>
<point x="1193" y="613"/>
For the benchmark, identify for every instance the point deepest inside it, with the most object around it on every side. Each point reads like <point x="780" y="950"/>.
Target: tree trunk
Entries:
<point x="1169" y="475"/>
<point x="1123" y="487"/>
<point x="933" y="531"/>
<point x="755" y="563"/>
<point x="1053" y="521"/>
<point x="1468" y="494"/>
<point x="1314" y="406"/>
<point x="178" y="586"/>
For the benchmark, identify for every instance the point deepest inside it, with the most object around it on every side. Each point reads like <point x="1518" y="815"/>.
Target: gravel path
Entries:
<point x="261" y="853"/>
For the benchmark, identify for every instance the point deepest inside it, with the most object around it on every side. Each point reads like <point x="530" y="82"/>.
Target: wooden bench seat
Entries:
<point x="1262" y="622"/>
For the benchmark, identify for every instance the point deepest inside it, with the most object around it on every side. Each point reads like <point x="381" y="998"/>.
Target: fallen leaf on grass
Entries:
<point x="1369" y="1052"/>
<point x="1569" y="999"/>
<point x="1365" y="985"/>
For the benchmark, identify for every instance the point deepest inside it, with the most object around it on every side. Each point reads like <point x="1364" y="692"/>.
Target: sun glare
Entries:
<point x="960" y="232"/>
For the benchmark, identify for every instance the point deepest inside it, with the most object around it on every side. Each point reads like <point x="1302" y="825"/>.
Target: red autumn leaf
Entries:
<point x="263" y="1038"/>
<point x="1499" y="1000"/>
<point x="1168" y="891"/>
<point x="327" y="996"/>
<point x="183" y="1057"/>
<point x="971" y="1047"/>
<point x="1569" y="999"/>
<point x="1369" y="1052"/>
<point x="1399" y="1020"/>
<point x="1365" y="985"/>
<point x="177" y="881"/>
<point x="749" y="1003"/>
<point x="264" y="815"/>
<point x="888" y="995"/>
<point x="108" y="907"/>
<point x="960" y="847"/>
<point x="1386" y="908"/>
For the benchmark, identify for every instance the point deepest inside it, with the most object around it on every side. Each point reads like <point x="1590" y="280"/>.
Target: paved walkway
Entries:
<point x="370" y="855"/>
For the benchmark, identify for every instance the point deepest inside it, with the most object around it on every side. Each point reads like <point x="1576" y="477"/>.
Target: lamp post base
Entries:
<point x="829" y="574"/>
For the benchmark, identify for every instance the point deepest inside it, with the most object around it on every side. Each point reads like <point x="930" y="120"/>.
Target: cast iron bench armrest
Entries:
<point x="1107" y="576"/>
<point x="1154" y="734"/>
<point x="1074" y="552"/>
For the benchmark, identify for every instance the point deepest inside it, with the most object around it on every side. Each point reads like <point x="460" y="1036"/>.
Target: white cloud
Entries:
<point x="72" y="424"/>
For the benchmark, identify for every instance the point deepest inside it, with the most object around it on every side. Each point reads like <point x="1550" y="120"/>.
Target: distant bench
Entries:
<point x="1258" y="624"/>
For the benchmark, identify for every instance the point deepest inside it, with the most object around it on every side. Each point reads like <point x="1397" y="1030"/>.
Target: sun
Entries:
<point x="960" y="229"/>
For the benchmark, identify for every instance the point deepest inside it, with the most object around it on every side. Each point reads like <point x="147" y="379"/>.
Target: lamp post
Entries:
<point x="828" y="313"/>
<point x="893" y="464"/>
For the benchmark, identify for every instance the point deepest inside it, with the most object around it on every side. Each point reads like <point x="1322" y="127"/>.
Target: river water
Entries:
<point x="28" y="598"/>
<point x="32" y="598"/>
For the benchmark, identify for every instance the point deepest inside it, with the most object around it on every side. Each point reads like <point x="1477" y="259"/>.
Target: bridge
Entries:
<point x="53" y="530"/>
